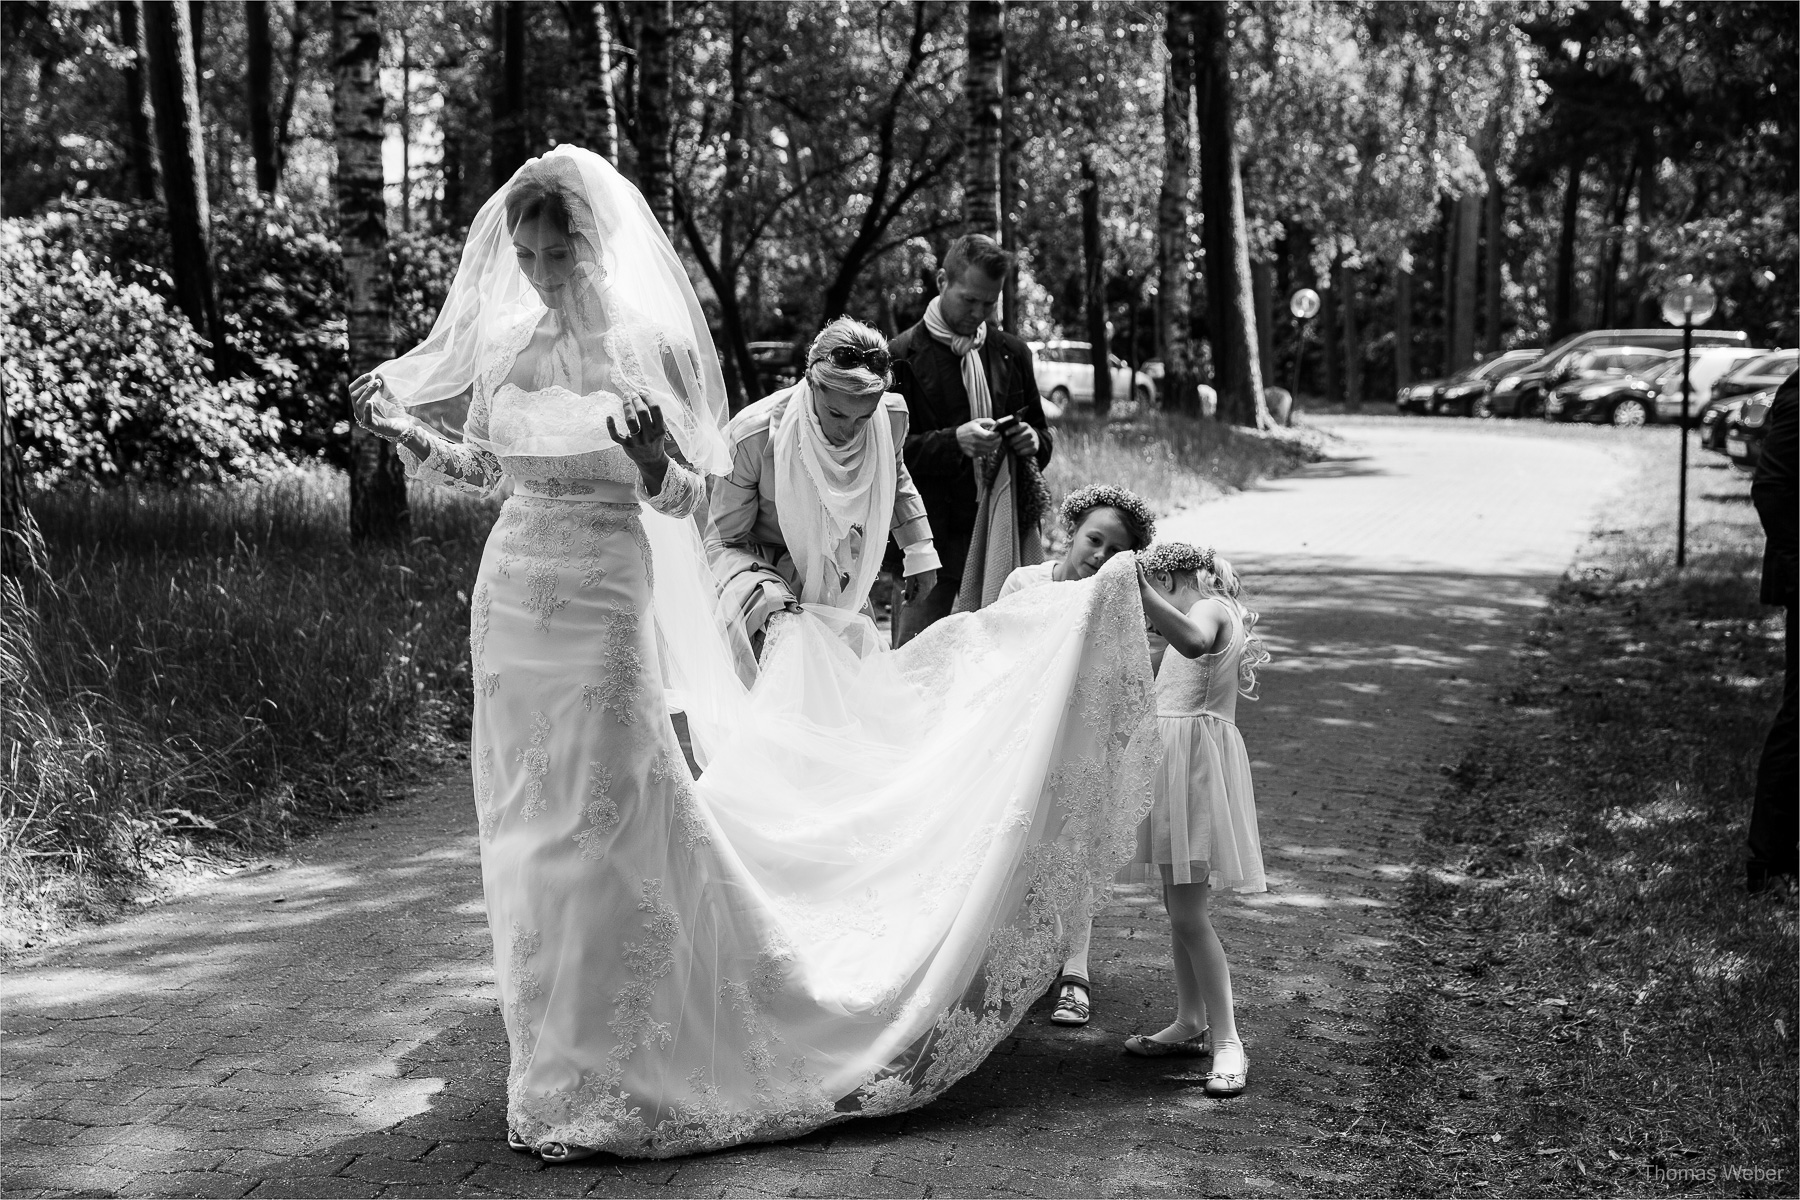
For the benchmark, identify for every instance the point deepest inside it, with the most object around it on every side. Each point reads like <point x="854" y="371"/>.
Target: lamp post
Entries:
<point x="1686" y="303"/>
<point x="1304" y="304"/>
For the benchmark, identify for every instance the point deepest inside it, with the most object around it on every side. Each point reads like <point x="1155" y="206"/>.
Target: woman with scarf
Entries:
<point x="816" y="483"/>
<point x="979" y="439"/>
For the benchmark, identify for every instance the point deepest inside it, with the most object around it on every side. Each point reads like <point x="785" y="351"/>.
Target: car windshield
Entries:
<point x="1495" y="367"/>
<point x="1778" y="363"/>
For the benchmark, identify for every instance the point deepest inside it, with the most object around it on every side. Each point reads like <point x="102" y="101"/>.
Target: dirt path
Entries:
<point x="327" y="1026"/>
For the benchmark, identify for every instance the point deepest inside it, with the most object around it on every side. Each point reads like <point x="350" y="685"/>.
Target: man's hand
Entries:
<point x="1023" y="439"/>
<point x="919" y="586"/>
<point x="977" y="438"/>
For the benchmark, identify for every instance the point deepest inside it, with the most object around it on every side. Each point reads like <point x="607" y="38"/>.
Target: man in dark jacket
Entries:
<point x="1773" y="830"/>
<point x="946" y="439"/>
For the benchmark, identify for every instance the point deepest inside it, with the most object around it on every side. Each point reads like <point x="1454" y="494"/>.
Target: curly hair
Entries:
<point x="1140" y="522"/>
<point x="1215" y="578"/>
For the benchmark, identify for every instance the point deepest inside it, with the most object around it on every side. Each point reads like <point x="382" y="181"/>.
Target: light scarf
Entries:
<point x="996" y="548"/>
<point x="834" y="503"/>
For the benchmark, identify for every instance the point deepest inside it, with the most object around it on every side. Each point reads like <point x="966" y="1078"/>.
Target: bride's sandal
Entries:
<point x="562" y="1152"/>
<point x="1073" y="1003"/>
<point x="516" y="1143"/>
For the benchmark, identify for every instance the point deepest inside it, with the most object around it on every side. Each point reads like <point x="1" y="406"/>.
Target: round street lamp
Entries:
<point x="1304" y="304"/>
<point x="1687" y="302"/>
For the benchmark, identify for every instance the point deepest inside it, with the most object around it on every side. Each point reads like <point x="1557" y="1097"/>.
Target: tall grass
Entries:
<point x="213" y="670"/>
<point x="1172" y="462"/>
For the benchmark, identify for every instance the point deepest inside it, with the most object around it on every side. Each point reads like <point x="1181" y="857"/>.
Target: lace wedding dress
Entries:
<point x="869" y="884"/>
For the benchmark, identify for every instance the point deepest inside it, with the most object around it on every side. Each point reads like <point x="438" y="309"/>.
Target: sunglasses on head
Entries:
<point x="848" y="358"/>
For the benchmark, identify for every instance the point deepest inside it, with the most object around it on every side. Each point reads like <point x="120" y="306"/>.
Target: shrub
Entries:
<point x="280" y="282"/>
<point x="105" y="382"/>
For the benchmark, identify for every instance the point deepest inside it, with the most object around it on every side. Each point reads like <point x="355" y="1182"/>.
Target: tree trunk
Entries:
<point x="1403" y="333"/>
<point x="261" y="86"/>
<point x="1353" y="379"/>
<point x="175" y="97"/>
<point x="1462" y="308"/>
<point x="21" y="545"/>
<point x="1562" y="304"/>
<point x="590" y="29"/>
<point x="655" y="68"/>
<point x="1611" y="305"/>
<point x="510" y="149"/>
<point x="722" y="270"/>
<point x="1495" y="209"/>
<point x="981" y="140"/>
<point x="1648" y="305"/>
<point x="1329" y="352"/>
<point x="1011" y="143"/>
<point x="1093" y="258"/>
<point x="406" y="131"/>
<point x="1180" y="390"/>
<point x="359" y="120"/>
<point x="1231" y="307"/>
<point x="1262" y="292"/>
<point x="139" y="120"/>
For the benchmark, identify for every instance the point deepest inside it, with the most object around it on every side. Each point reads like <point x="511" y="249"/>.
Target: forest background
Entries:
<point x="213" y="213"/>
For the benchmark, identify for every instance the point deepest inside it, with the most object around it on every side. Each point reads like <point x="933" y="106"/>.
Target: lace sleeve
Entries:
<point x="682" y="492"/>
<point x="453" y="465"/>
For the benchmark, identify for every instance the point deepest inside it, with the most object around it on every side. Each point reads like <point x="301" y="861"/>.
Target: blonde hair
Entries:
<point x="858" y="381"/>
<point x="1216" y="579"/>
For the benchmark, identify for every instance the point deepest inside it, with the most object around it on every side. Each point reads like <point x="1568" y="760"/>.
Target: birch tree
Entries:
<point x="359" y="121"/>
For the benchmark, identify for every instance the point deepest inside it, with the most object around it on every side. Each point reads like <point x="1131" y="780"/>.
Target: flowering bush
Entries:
<point x="103" y="381"/>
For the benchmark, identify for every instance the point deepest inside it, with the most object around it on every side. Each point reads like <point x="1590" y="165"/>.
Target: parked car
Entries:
<point x="1745" y="428"/>
<point x="778" y="365"/>
<point x="1608" y="387"/>
<point x="1419" y="397"/>
<point x="1716" y="421"/>
<point x="1521" y="393"/>
<point x="1765" y="370"/>
<point x="1710" y="364"/>
<point x="1065" y="376"/>
<point x="1466" y="392"/>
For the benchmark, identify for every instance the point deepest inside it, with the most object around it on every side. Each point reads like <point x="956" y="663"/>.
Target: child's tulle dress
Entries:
<point x="1203" y="821"/>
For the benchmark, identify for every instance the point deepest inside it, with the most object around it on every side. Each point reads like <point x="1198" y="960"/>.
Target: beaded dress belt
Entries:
<point x="581" y="491"/>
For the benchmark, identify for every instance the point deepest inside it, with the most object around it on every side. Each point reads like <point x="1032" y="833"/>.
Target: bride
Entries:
<point x="869" y="885"/>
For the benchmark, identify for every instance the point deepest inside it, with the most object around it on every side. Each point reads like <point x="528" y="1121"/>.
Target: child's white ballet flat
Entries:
<point x="1143" y="1046"/>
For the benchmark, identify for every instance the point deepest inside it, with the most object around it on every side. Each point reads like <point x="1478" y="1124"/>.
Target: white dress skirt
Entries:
<point x="1202" y="823"/>
<point x="862" y="895"/>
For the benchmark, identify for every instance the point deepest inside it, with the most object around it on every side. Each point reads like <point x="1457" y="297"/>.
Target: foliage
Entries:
<point x="280" y="285"/>
<point x="215" y="670"/>
<point x="104" y="381"/>
<point x="1593" y="997"/>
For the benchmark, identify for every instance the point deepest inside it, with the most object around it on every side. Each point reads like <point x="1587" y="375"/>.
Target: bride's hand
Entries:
<point x="376" y="410"/>
<point x="644" y="434"/>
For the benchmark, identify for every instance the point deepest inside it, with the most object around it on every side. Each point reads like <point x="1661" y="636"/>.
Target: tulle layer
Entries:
<point x="1202" y="822"/>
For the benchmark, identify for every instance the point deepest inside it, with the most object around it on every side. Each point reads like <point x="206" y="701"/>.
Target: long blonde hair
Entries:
<point x="1216" y="579"/>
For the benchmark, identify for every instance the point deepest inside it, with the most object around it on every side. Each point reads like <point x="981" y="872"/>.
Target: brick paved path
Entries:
<point x="326" y="1026"/>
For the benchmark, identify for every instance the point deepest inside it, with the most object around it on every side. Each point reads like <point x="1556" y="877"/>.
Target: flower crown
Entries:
<point x="1078" y="503"/>
<point x="1171" y="557"/>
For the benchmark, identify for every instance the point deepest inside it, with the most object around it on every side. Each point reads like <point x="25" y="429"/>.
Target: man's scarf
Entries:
<point x="996" y="547"/>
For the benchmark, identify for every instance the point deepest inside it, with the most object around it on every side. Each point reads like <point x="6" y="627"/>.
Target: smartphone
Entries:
<point x="1002" y="424"/>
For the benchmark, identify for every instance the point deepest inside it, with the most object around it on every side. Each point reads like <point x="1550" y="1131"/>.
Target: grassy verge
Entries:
<point x="1173" y="462"/>
<point x="1592" y="1005"/>
<point x="210" y="672"/>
